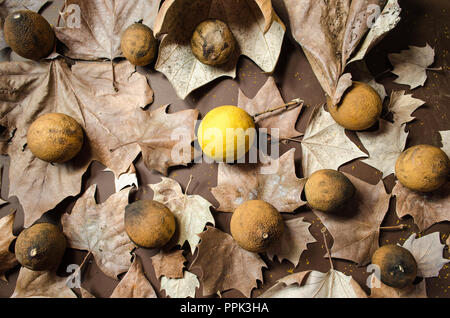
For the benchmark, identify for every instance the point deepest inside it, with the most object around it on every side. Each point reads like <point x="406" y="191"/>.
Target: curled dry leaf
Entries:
<point x="293" y="242"/>
<point x="411" y="65"/>
<point x="402" y="106"/>
<point x="271" y="180"/>
<point x="330" y="32"/>
<point x="247" y="20"/>
<point x="134" y="284"/>
<point x="380" y="290"/>
<point x="426" y="208"/>
<point x="96" y="33"/>
<point x="169" y="264"/>
<point x="191" y="212"/>
<point x="7" y="259"/>
<point x="28" y="90"/>
<point x="35" y="284"/>
<point x="356" y="228"/>
<point x="100" y="229"/>
<point x="325" y="145"/>
<point x="267" y="98"/>
<point x="384" y="145"/>
<point x="225" y="265"/>
<point x="180" y="287"/>
<point x="125" y="179"/>
<point x="314" y="284"/>
<point x="445" y="135"/>
<point x="428" y="252"/>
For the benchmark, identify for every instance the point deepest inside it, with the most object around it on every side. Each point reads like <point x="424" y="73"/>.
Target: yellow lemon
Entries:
<point x="226" y="133"/>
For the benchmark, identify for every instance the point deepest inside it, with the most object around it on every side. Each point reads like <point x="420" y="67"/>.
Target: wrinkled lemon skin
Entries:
<point x="213" y="138"/>
<point x="138" y="44"/>
<point x="422" y="168"/>
<point x="255" y="225"/>
<point x="55" y="137"/>
<point x="359" y="108"/>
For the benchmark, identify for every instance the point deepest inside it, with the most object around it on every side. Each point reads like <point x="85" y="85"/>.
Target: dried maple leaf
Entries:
<point x="256" y="28"/>
<point x="426" y="208"/>
<point x="427" y="251"/>
<point x="445" y="135"/>
<point x="384" y="145"/>
<point x="314" y="284"/>
<point x="325" y="145"/>
<point x="180" y="287"/>
<point x="356" y="228"/>
<point x="101" y="25"/>
<point x="411" y="65"/>
<point x="191" y="212"/>
<point x="330" y="32"/>
<point x="402" y="106"/>
<point x="380" y="290"/>
<point x="99" y="228"/>
<point x="7" y="259"/>
<point x="125" y="179"/>
<point x="267" y="98"/>
<point x="225" y="265"/>
<point x="134" y="284"/>
<point x="35" y="284"/>
<point x="169" y="264"/>
<point x="293" y="241"/>
<point x="271" y="180"/>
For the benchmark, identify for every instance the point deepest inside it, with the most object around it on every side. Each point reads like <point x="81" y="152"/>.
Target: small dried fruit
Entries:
<point x="149" y="224"/>
<point x="29" y="34"/>
<point x="359" y="108"/>
<point x="138" y="44"/>
<point x="398" y="268"/>
<point x="255" y="225"/>
<point x="212" y="42"/>
<point x="328" y="190"/>
<point x="422" y="168"/>
<point x="55" y="137"/>
<point x="40" y="247"/>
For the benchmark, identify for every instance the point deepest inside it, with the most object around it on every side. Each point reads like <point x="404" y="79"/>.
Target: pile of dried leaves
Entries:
<point x="108" y="98"/>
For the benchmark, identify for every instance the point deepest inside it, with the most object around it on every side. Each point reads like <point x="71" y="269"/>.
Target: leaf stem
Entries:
<point x="186" y="191"/>
<point x="323" y="230"/>
<point x="113" y="77"/>
<point x="395" y="227"/>
<point x="434" y="68"/>
<point x="295" y="102"/>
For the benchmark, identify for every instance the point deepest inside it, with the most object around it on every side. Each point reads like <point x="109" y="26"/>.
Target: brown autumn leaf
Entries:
<point x="380" y="290"/>
<point x="293" y="242"/>
<point x="96" y="33"/>
<point x="134" y="284"/>
<point x="356" y="228"/>
<point x="224" y="265"/>
<point x="28" y="90"/>
<point x="7" y="259"/>
<point x="256" y="28"/>
<point x="425" y="208"/>
<point x="330" y="33"/>
<point x="169" y="264"/>
<point x="271" y="180"/>
<point x="267" y="98"/>
<point x="35" y="284"/>
<point x="100" y="229"/>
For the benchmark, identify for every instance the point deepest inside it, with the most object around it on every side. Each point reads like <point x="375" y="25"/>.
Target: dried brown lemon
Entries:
<point x="212" y="42"/>
<point x="359" y="108"/>
<point x="40" y="247"/>
<point x="55" y="137"/>
<point x="149" y="224"/>
<point x="138" y="44"/>
<point x="422" y="168"/>
<point x="29" y="34"/>
<point x="255" y="225"/>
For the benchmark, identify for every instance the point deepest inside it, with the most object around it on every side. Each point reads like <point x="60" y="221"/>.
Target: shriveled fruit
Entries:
<point x="55" y="137"/>
<point x="226" y="133"/>
<point x="212" y="42"/>
<point x="328" y="190"/>
<point x="149" y="224"/>
<point x="359" y="108"/>
<point x="398" y="268"/>
<point x="29" y="34"/>
<point x="255" y="225"/>
<point x="422" y="168"/>
<point x="138" y="44"/>
<point x="40" y="247"/>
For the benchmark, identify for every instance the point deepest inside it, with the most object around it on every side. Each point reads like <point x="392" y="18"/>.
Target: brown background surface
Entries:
<point x="422" y="22"/>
